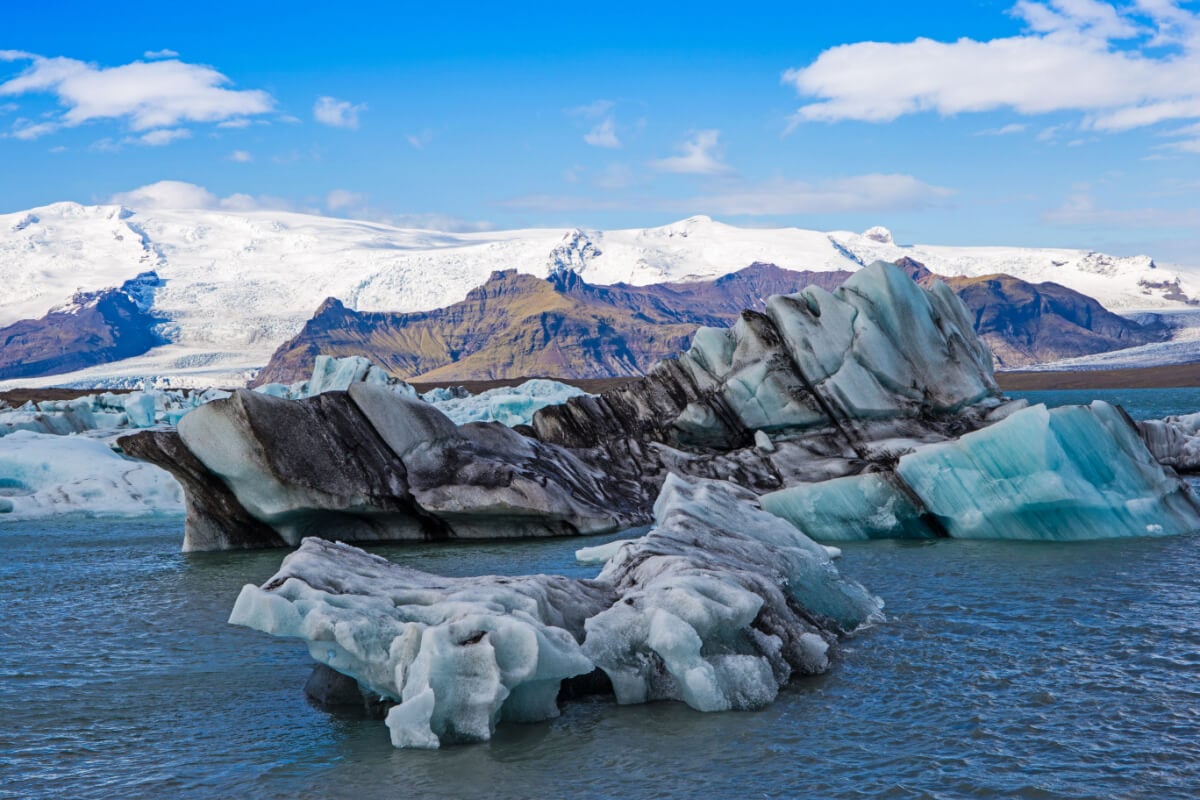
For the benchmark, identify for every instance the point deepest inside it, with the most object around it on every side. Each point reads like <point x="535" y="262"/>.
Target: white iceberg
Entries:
<point x="337" y="375"/>
<point x="44" y="475"/>
<point x="718" y="606"/>
<point x="509" y="405"/>
<point x="1063" y="474"/>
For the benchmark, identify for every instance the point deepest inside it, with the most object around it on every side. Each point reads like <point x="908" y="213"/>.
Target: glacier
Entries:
<point x="1064" y="474"/>
<point x="718" y="612"/>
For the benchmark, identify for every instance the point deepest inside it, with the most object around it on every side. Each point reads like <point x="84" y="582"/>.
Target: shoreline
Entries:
<point x="1175" y="376"/>
<point x="1164" y="377"/>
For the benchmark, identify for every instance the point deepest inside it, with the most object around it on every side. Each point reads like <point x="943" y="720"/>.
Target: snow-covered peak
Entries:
<point x="573" y="253"/>
<point x="879" y="234"/>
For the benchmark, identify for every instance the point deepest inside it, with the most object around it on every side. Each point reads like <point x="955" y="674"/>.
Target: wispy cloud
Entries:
<point x="156" y="54"/>
<point x="1080" y="209"/>
<point x="241" y="157"/>
<point x="337" y="113"/>
<point x="144" y="95"/>
<point x="700" y="156"/>
<point x="1119" y="67"/>
<point x="189" y="196"/>
<point x="603" y="130"/>
<point x="1004" y="130"/>
<point x="417" y="141"/>
<point x="164" y="136"/>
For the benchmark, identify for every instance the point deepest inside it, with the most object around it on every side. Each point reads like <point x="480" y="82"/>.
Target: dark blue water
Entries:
<point x="1006" y="669"/>
<point x="1140" y="403"/>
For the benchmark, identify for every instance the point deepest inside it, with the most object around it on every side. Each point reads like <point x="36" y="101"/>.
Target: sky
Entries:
<point x="1070" y="123"/>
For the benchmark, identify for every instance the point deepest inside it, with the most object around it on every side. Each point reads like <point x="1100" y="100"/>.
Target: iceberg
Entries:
<point x="106" y="411"/>
<point x="1063" y="474"/>
<point x="371" y="464"/>
<point x="44" y="475"/>
<point x="509" y="406"/>
<point x="1174" y="441"/>
<point x="715" y="610"/>
<point x="331" y="374"/>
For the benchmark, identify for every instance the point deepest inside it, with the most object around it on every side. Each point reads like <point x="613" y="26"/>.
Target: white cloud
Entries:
<point x="1104" y="62"/>
<point x="164" y="136"/>
<point x="604" y="132"/>
<point x="603" y="135"/>
<point x="341" y="199"/>
<point x="337" y="113"/>
<point x="1004" y="130"/>
<point x="145" y="95"/>
<point x="700" y="157"/>
<point x="241" y="157"/>
<point x="164" y="53"/>
<point x="166" y="194"/>
<point x="189" y="196"/>
<point x="28" y="130"/>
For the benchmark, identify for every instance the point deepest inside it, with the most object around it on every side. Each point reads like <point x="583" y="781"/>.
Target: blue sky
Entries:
<point x="1055" y="122"/>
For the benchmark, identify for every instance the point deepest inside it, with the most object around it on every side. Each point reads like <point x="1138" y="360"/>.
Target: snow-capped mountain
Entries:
<point x="237" y="284"/>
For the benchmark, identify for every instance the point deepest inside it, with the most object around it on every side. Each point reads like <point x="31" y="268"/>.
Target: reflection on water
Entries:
<point x="1057" y="670"/>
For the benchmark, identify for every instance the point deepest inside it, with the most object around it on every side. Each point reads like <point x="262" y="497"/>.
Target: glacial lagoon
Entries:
<point x="1005" y="668"/>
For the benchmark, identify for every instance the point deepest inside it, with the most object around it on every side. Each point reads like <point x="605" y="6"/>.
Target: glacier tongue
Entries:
<point x="717" y="606"/>
<point x="1069" y="473"/>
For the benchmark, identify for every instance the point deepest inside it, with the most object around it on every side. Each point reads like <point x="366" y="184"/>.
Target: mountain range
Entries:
<point x="518" y="325"/>
<point x="232" y="286"/>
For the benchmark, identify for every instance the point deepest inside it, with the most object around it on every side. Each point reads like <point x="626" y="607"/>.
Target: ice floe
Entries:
<point x="716" y="610"/>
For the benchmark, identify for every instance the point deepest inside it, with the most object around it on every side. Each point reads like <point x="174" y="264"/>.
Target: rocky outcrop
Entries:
<point x="519" y="325"/>
<point x="94" y="328"/>
<point x="1025" y="323"/>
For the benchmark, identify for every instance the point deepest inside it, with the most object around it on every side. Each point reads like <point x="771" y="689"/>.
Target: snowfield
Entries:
<point x="238" y="284"/>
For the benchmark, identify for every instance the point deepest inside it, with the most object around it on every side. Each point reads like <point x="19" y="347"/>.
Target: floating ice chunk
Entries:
<point x="718" y="612"/>
<point x="458" y="654"/>
<point x="140" y="409"/>
<point x="511" y="406"/>
<point x="601" y="552"/>
<point x="1070" y="473"/>
<point x="718" y="606"/>
<point x="45" y="475"/>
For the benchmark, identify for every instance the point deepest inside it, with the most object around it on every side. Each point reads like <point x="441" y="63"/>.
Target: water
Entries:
<point x="1049" y="670"/>
<point x="1006" y="669"/>
<point x="1140" y="403"/>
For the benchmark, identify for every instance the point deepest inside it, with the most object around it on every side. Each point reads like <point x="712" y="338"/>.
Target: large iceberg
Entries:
<point x="369" y="465"/>
<point x="717" y="610"/>
<point x="840" y="401"/>
<point x="44" y="475"/>
<point x="1069" y="473"/>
